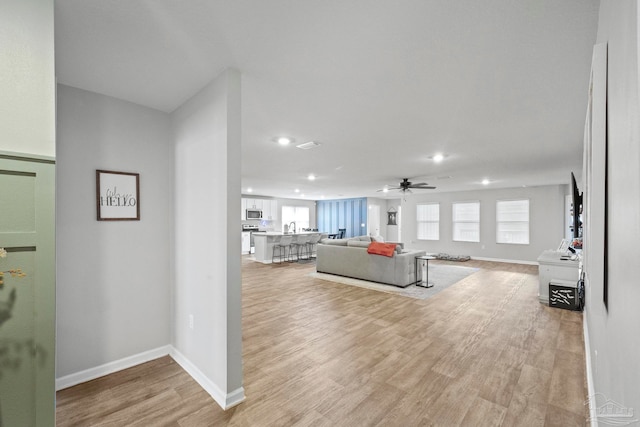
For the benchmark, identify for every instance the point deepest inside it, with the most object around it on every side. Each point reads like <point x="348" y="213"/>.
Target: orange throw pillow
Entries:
<point x="386" y="249"/>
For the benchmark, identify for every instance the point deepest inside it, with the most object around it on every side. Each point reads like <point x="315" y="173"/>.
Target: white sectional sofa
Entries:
<point x="349" y="257"/>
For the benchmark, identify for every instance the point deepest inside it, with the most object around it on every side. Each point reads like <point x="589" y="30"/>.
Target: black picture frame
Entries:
<point x="392" y="218"/>
<point x="117" y="196"/>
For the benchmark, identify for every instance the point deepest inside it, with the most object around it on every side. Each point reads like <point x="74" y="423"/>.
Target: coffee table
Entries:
<point x="423" y="259"/>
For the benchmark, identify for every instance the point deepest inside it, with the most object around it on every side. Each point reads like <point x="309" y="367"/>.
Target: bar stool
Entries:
<point x="294" y="247"/>
<point x="312" y="244"/>
<point x="300" y="246"/>
<point x="280" y="243"/>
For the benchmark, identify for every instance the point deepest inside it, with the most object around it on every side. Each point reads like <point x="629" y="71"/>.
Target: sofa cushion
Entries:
<point x="377" y="239"/>
<point x="334" y="242"/>
<point x="386" y="249"/>
<point x="360" y="239"/>
<point x="358" y="243"/>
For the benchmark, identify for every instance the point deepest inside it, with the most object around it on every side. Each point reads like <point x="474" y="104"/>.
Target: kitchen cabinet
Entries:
<point x="254" y="204"/>
<point x="269" y="208"/>
<point x="243" y="209"/>
<point x="246" y="242"/>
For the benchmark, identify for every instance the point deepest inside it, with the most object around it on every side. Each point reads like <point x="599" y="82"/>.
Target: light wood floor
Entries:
<point x="483" y="352"/>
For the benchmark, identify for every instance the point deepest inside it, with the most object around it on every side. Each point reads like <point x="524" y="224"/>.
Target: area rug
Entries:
<point x="441" y="276"/>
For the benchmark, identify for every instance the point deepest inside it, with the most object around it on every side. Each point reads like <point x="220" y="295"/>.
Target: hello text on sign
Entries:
<point x="117" y="196"/>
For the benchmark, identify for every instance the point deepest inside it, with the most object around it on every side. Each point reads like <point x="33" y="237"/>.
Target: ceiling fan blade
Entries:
<point x="387" y="188"/>
<point x="423" y="185"/>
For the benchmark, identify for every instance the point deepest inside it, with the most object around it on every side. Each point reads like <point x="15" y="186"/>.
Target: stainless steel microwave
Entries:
<point x="254" y="214"/>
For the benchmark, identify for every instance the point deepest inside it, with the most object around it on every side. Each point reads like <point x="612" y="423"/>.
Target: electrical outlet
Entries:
<point x="191" y="321"/>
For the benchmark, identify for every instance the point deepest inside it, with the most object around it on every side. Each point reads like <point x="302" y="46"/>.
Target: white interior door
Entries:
<point x="373" y="220"/>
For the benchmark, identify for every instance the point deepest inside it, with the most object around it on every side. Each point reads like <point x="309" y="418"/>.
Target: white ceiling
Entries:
<point x="499" y="86"/>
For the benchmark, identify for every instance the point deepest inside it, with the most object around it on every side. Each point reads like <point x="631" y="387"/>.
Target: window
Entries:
<point x="428" y="218"/>
<point x="512" y="222"/>
<point x="466" y="222"/>
<point x="297" y="214"/>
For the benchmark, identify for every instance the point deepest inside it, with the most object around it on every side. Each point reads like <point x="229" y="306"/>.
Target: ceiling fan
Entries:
<point x="405" y="186"/>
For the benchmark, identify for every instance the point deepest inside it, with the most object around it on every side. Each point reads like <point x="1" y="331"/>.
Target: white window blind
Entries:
<point x="297" y="214"/>
<point x="512" y="222"/>
<point x="466" y="222"/>
<point x="428" y="218"/>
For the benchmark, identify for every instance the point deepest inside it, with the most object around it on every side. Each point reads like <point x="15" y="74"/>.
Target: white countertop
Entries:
<point x="556" y="258"/>
<point x="280" y="233"/>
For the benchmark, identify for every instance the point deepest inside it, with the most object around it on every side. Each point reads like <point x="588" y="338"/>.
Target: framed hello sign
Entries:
<point x="117" y="196"/>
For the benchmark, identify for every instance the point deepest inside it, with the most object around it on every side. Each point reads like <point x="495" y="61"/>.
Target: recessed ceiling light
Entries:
<point x="385" y="190"/>
<point x="311" y="177"/>
<point x="297" y="190"/>
<point x="438" y="157"/>
<point x="485" y="181"/>
<point x="249" y="190"/>
<point x="283" y="140"/>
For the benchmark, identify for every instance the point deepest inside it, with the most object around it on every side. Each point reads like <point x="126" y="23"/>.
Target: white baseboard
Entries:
<point x="593" y="415"/>
<point x="111" y="367"/>
<point x="225" y="400"/>
<point x="508" y="261"/>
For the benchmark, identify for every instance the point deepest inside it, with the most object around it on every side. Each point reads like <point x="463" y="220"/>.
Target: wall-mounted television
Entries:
<point x="576" y="200"/>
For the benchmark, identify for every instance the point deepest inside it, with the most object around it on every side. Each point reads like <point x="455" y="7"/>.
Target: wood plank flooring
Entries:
<point x="483" y="352"/>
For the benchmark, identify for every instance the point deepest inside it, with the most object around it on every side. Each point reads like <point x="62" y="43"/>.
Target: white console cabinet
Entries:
<point x="552" y="267"/>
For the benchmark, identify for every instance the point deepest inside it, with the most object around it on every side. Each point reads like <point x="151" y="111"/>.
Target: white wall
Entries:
<point x="546" y="222"/>
<point x="27" y="77"/>
<point x="113" y="290"/>
<point x="207" y="236"/>
<point x="613" y="336"/>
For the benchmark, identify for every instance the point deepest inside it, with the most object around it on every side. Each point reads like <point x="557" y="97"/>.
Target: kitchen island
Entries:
<point x="264" y="241"/>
